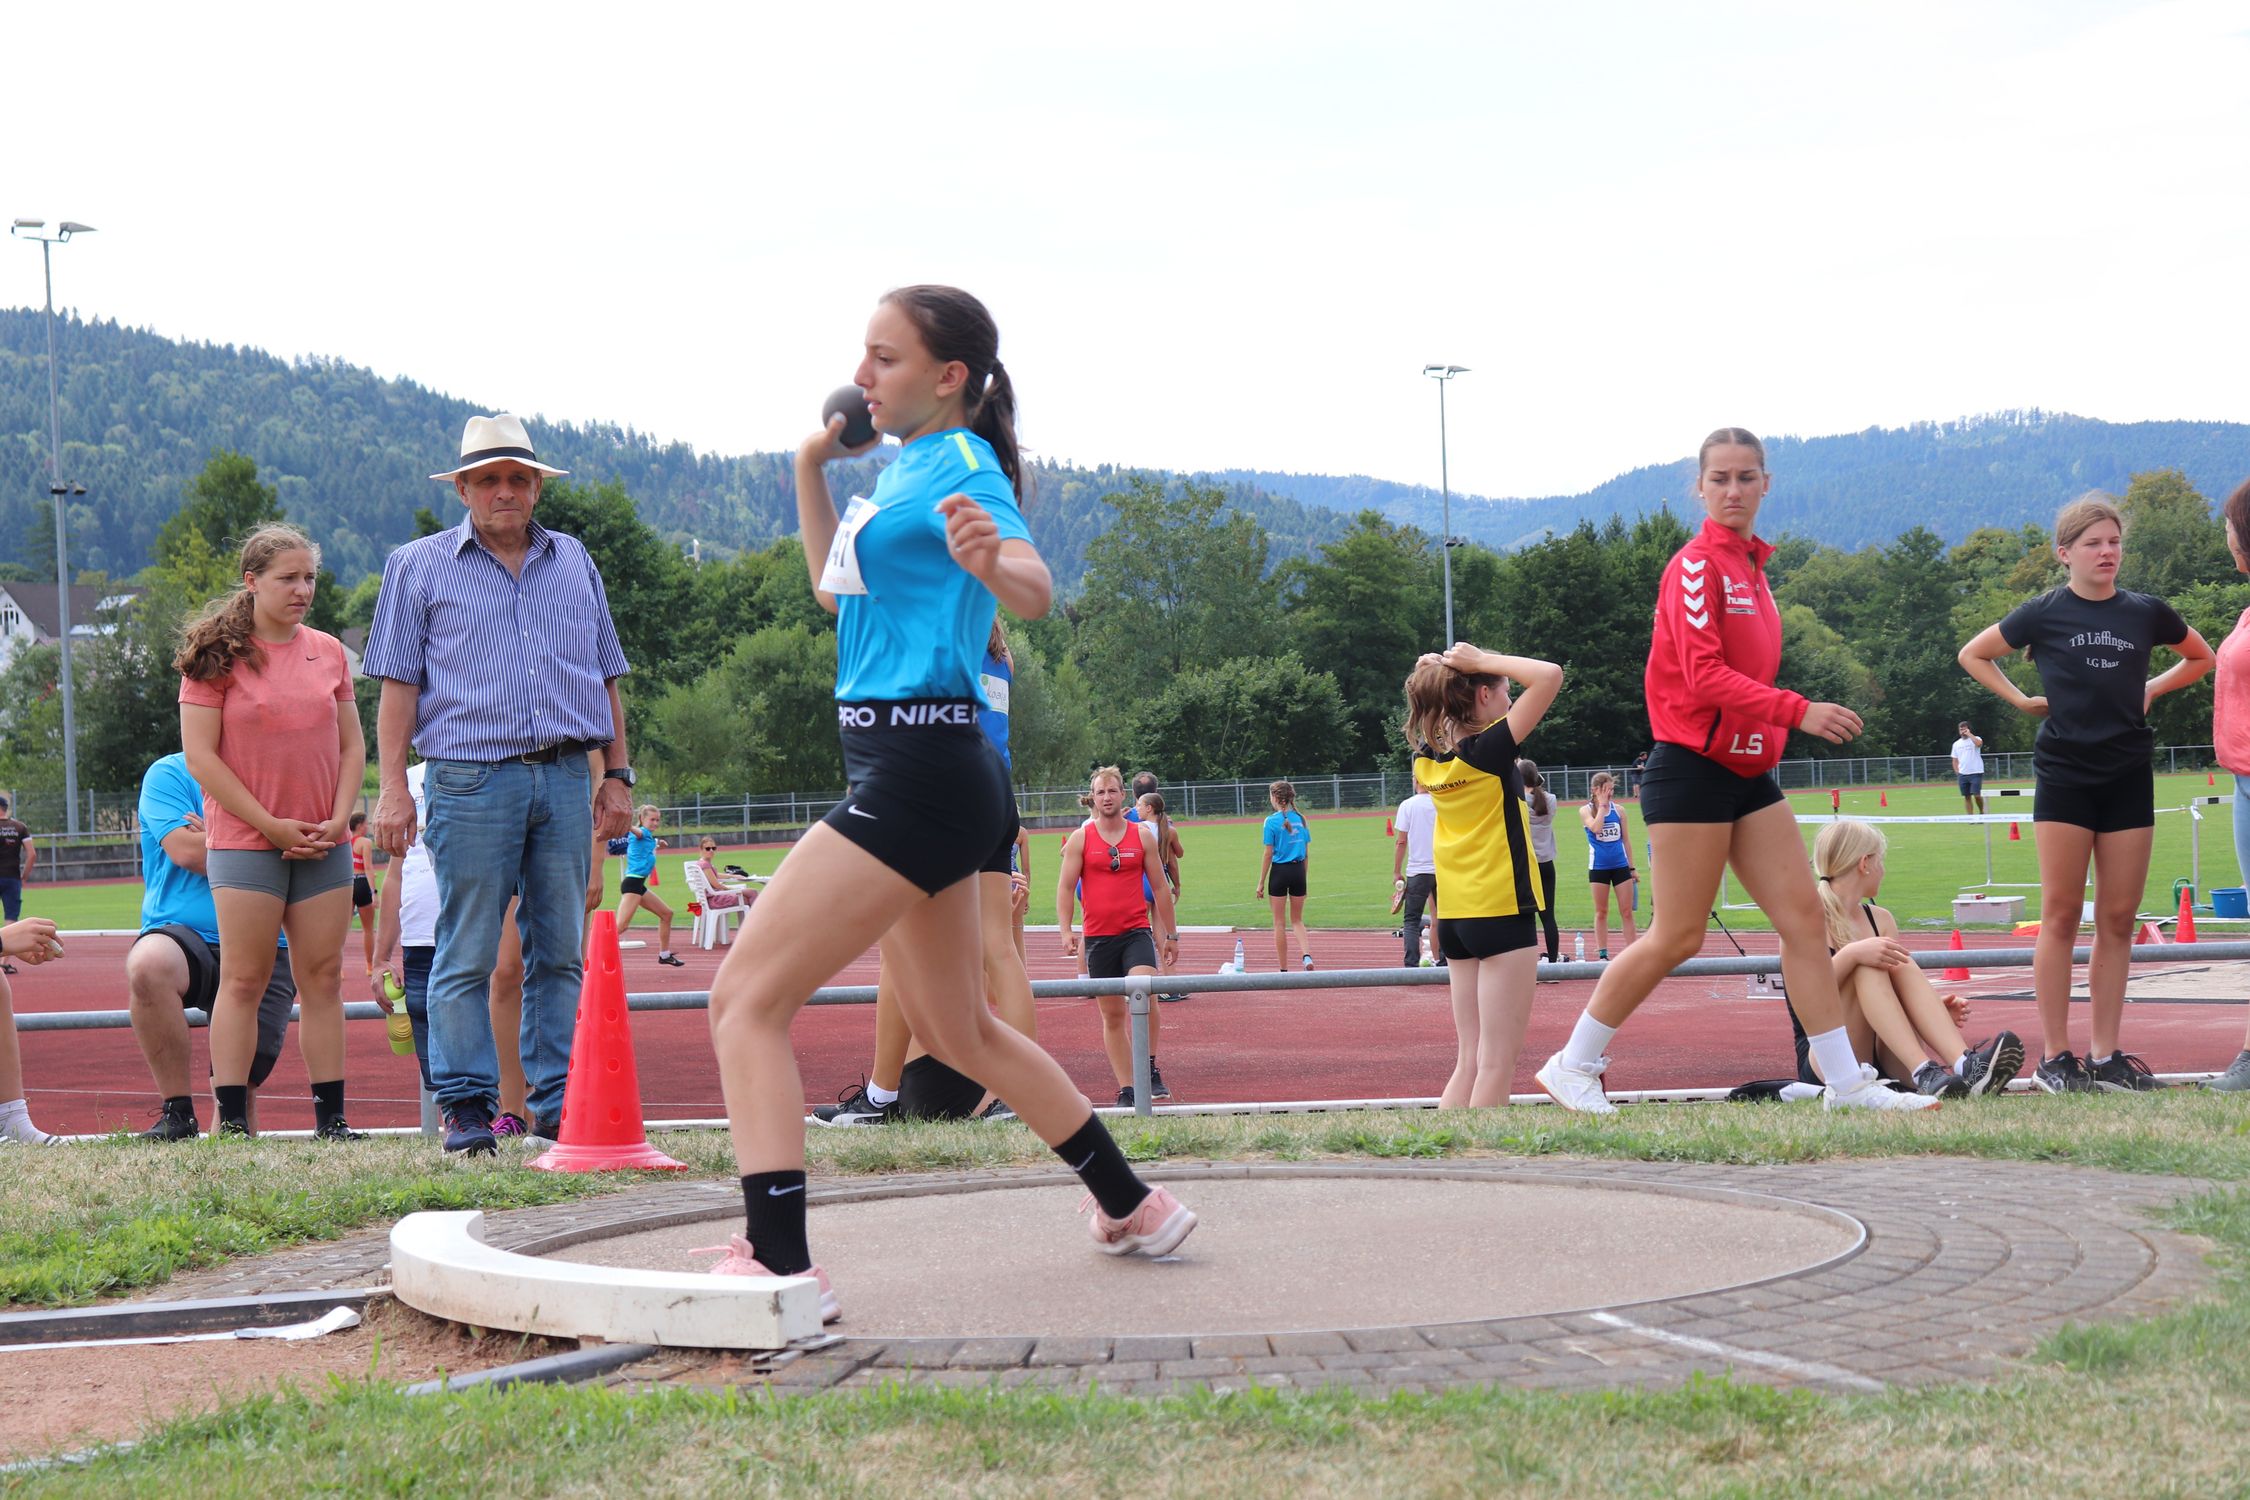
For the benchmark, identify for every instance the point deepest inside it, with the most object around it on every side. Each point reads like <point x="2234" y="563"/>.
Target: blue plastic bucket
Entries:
<point x="2230" y="901"/>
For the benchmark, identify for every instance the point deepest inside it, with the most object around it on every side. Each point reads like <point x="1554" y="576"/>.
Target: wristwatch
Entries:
<point x="621" y="773"/>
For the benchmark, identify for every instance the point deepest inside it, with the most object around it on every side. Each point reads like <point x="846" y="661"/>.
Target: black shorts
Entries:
<point x="203" y="988"/>
<point x="929" y="1090"/>
<point x="1116" y="956"/>
<point x="1487" y="937"/>
<point x="1680" y="786"/>
<point x="2114" y="806"/>
<point x="1286" y="879"/>
<point x="1972" y="783"/>
<point x="1002" y="859"/>
<point x="929" y="795"/>
<point x="363" y="894"/>
<point x="1609" y="877"/>
<point x="633" y="885"/>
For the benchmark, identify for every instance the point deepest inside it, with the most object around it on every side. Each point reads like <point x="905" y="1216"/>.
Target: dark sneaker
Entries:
<point x="852" y="1107"/>
<point x="2123" y="1074"/>
<point x="1939" y="1082"/>
<point x="468" y="1131"/>
<point x="1989" y="1066"/>
<point x="2063" y="1074"/>
<point x="1125" y="1097"/>
<point x="1170" y="999"/>
<point x="338" y="1129"/>
<point x="171" y="1127"/>
<point x="2236" y="1079"/>
<point x="509" y="1125"/>
<point x="997" y="1110"/>
<point x="672" y="959"/>
<point x="231" y="1130"/>
<point x="1157" y="1089"/>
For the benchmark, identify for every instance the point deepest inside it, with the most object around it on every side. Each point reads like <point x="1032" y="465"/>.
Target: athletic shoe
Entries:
<point x="2236" y="1079"/>
<point x="1308" y="963"/>
<point x="736" y="1258"/>
<point x="997" y="1110"/>
<point x="468" y="1131"/>
<point x="172" y="1127"/>
<point x="230" y="1130"/>
<point x="2123" y="1074"/>
<point x="673" y="959"/>
<point x="1870" y="1092"/>
<point x="2063" y="1074"/>
<point x="1988" y="1066"/>
<point x="1125" y="1097"/>
<point x="338" y="1129"/>
<point x="1170" y="999"/>
<point x="1575" y="1087"/>
<point x="852" y="1107"/>
<point x="509" y="1125"/>
<point x="7" y="968"/>
<point x="1938" y="1081"/>
<point x="1155" y="1228"/>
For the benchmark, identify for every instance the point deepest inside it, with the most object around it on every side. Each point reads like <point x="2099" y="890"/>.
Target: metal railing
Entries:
<point x="1139" y="990"/>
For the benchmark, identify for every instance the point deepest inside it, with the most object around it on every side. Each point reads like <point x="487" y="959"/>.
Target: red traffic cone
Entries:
<point x="1390" y="833"/>
<point x="1886" y="798"/>
<point x="2015" y="834"/>
<point x="1835" y="800"/>
<point x="2150" y="936"/>
<point x="2209" y="779"/>
<point x="601" y="1123"/>
<point x="2184" y="930"/>
<point x="1956" y="974"/>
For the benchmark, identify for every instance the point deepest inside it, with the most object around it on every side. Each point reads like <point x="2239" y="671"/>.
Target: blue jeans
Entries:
<point x="417" y="967"/>
<point x="492" y="829"/>
<point x="11" y="900"/>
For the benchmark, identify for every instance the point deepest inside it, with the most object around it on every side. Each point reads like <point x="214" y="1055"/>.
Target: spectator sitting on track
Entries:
<point x="174" y="964"/>
<point x="34" y="942"/>
<point x="1889" y="1003"/>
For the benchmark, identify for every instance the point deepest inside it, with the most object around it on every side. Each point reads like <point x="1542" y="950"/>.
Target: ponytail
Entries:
<point x="993" y="418"/>
<point x="219" y="638"/>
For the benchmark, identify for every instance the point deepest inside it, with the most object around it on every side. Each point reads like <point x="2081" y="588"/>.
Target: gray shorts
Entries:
<point x="293" y="880"/>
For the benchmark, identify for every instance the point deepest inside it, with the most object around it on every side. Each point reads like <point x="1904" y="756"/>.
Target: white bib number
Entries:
<point x="995" y="691"/>
<point x="841" y="575"/>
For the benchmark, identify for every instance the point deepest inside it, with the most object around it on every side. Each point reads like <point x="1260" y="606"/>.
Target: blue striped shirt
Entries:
<point x="506" y="665"/>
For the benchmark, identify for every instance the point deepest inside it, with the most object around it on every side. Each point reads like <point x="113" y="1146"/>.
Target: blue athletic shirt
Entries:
<point x="1288" y="836"/>
<point x="999" y="682"/>
<point x="640" y="851"/>
<point x="1605" y="844"/>
<point x="919" y="630"/>
<point x="173" y="897"/>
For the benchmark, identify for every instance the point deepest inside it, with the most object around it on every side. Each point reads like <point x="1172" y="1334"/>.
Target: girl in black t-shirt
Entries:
<point x="2091" y="642"/>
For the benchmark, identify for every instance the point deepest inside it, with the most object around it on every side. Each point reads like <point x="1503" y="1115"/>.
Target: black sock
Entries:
<point x="234" y="1105"/>
<point x="1094" y="1156"/>
<point x="180" y="1106"/>
<point x="328" y="1102"/>
<point x="774" y="1204"/>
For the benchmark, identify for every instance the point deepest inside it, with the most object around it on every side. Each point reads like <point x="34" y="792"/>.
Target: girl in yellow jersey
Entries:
<point x="1464" y="734"/>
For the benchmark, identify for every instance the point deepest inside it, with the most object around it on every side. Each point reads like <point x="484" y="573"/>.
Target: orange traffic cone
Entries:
<point x="2150" y="936"/>
<point x="2015" y="834"/>
<point x="1389" y="833"/>
<point x="1835" y="800"/>
<point x="601" y="1123"/>
<point x="2209" y="779"/>
<point x="2184" y="930"/>
<point x="1956" y="974"/>
<point x="1886" y="798"/>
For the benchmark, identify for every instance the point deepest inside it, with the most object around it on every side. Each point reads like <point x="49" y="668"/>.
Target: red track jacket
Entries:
<point x="1712" y="659"/>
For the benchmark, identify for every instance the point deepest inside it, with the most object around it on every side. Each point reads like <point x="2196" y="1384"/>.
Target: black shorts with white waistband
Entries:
<point x="929" y="796"/>
<point x="1618" y="876"/>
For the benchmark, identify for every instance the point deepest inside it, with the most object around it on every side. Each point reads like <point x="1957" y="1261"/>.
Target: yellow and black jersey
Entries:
<point x="1485" y="866"/>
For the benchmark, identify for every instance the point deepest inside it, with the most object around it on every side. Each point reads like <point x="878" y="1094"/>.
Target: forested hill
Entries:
<point x="1849" y="490"/>
<point x="350" y="452"/>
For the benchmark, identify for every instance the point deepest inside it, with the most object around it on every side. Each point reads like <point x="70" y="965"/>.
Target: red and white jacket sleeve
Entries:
<point x="1693" y="652"/>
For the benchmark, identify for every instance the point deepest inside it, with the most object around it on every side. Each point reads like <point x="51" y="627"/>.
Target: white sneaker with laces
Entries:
<point x="1870" y="1092"/>
<point x="1576" y="1087"/>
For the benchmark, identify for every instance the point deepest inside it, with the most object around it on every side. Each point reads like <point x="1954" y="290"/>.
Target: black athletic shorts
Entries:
<point x="929" y="795"/>
<point x="1609" y="877"/>
<point x="2128" y="801"/>
<point x="1116" y="956"/>
<point x="929" y="1090"/>
<point x="363" y="894"/>
<point x="1972" y="783"/>
<point x="203" y="987"/>
<point x="1680" y="786"/>
<point x="1002" y="859"/>
<point x="1286" y="879"/>
<point x="633" y="885"/>
<point x="1487" y="937"/>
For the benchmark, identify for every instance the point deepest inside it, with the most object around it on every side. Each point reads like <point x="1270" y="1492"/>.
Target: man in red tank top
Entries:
<point x="1102" y="863"/>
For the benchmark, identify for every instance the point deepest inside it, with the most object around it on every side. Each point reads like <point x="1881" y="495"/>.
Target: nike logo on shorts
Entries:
<point x="853" y="809"/>
<point x="783" y="1192"/>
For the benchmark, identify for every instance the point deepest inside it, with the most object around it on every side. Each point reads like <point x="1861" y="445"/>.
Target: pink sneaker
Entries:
<point x="1155" y="1228"/>
<point x="737" y="1259"/>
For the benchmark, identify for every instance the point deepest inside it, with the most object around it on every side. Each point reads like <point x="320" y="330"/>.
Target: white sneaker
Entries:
<point x="1872" y="1093"/>
<point x="1576" y="1087"/>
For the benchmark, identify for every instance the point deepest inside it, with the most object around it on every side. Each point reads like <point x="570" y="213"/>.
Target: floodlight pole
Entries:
<point x="1441" y="374"/>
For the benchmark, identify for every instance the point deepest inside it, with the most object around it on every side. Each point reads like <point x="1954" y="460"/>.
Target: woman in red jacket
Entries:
<point x="1709" y="798"/>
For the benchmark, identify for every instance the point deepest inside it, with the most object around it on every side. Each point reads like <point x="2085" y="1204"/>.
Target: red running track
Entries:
<point x="1337" y="1044"/>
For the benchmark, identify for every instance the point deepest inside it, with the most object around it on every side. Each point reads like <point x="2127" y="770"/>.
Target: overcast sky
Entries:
<point x="1214" y="235"/>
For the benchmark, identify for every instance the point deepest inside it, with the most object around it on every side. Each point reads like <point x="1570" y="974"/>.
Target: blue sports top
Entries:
<point x="998" y="682"/>
<point x="920" y="629"/>
<point x="1288" y="836"/>
<point x="174" y="897"/>
<point x="640" y="851"/>
<point x="1605" y="844"/>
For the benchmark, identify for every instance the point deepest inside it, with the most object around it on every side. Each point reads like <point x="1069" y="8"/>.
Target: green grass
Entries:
<point x="1351" y="865"/>
<point x="2147" y="1408"/>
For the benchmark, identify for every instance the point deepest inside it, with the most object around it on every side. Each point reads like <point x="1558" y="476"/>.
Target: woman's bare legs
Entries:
<point x="316" y="929"/>
<point x="1461" y="987"/>
<point x="249" y="932"/>
<point x="1280" y="932"/>
<point x="1503" y="994"/>
<point x="1768" y="857"/>
<point x="2120" y="881"/>
<point x="1627" y="895"/>
<point x="505" y="1004"/>
<point x="2065" y="852"/>
<point x="1689" y="860"/>
<point x="1297" y="915"/>
<point x="1006" y="984"/>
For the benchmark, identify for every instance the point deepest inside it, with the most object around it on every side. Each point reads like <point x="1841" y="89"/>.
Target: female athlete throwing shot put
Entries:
<point x="1709" y="798"/>
<point x="912" y="572"/>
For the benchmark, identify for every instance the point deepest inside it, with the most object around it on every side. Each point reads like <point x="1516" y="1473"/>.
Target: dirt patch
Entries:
<point x="64" y="1399"/>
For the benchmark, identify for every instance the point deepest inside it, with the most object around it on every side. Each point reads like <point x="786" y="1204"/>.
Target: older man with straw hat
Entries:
<point x="500" y="665"/>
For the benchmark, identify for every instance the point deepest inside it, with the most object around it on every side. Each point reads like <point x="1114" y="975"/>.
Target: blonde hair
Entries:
<point x="2086" y="511"/>
<point x="1600" y="779"/>
<point x="220" y="637"/>
<point x="1841" y="845"/>
<point x="1437" y="698"/>
<point x="644" y="810"/>
<point x="1106" y="773"/>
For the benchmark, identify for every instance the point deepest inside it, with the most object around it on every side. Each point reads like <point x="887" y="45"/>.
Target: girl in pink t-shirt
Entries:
<point x="271" y="731"/>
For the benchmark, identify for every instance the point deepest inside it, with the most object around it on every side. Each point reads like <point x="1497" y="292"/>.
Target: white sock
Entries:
<point x="15" y="1125"/>
<point x="1833" y="1056"/>
<point x="2095" y="1062"/>
<point x="1961" y="1065"/>
<point x="877" y="1094"/>
<point x="1589" y="1039"/>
